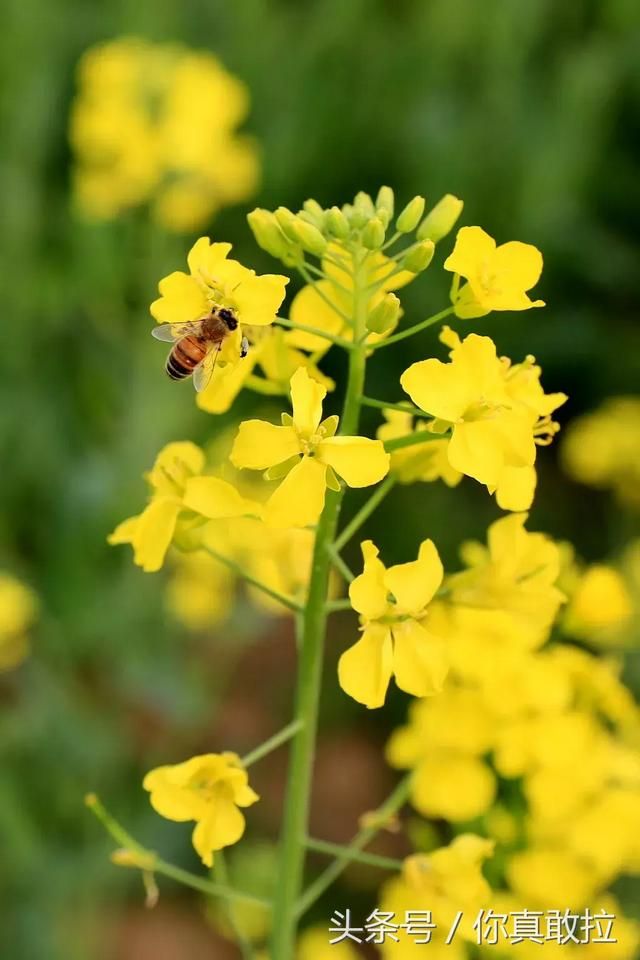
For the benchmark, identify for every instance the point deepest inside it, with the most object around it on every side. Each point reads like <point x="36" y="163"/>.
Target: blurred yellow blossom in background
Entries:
<point x="157" y="123"/>
<point x="602" y="448"/>
<point x="18" y="607"/>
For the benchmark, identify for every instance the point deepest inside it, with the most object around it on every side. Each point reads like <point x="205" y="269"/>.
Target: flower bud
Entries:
<point x="441" y="219"/>
<point x="309" y="237"/>
<point x="268" y="234"/>
<point x="357" y="217"/>
<point x="287" y="220"/>
<point x="383" y="317"/>
<point x="364" y="203"/>
<point x="337" y="223"/>
<point x="419" y="258"/>
<point x="313" y="208"/>
<point x="385" y="201"/>
<point x="409" y="219"/>
<point x="373" y="234"/>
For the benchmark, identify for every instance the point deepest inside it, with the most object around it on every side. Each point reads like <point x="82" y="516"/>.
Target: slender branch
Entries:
<point x="243" y="944"/>
<point x="324" y="276"/>
<point x="272" y="743"/>
<point x="403" y="407"/>
<point x="156" y="865"/>
<point x="334" y="606"/>
<point x="316" y="331"/>
<point x="412" y="439"/>
<point x="340" y="564"/>
<point x="355" y="856"/>
<point x="391" y="240"/>
<point x="364" y="512"/>
<point x="287" y="602"/>
<point x="392" y="804"/>
<point x="409" y="332"/>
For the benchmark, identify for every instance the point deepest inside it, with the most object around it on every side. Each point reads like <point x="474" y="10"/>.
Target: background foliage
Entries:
<point x="529" y="111"/>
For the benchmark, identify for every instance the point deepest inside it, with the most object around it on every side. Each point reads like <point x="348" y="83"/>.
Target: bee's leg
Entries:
<point x="244" y="348"/>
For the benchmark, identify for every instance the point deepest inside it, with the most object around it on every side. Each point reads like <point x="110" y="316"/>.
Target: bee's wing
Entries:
<point x="204" y="371"/>
<point x="170" y="332"/>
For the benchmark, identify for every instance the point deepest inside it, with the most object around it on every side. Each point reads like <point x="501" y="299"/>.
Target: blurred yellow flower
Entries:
<point x="209" y="789"/>
<point x="313" y="944"/>
<point x="157" y="123"/>
<point x="600" y="605"/>
<point x="200" y="592"/>
<point x="602" y="448"/>
<point x="178" y="490"/>
<point x="309" y="453"/>
<point x="444" y="882"/>
<point x="544" y="877"/>
<point x="497" y="277"/>
<point x="18" y="609"/>
<point x="392" y="604"/>
<point x="425" y="461"/>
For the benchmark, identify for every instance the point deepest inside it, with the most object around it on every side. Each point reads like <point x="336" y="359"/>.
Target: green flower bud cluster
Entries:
<point x="364" y="223"/>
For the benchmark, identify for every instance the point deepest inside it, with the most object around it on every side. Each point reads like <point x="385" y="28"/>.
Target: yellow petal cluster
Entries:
<point x="314" y="455"/>
<point x="209" y="789"/>
<point x="18" y="607"/>
<point x="498" y="277"/>
<point x="182" y="496"/>
<point x="495" y="412"/>
<point x="396" y="640"/>
<point x="157" y="123"/>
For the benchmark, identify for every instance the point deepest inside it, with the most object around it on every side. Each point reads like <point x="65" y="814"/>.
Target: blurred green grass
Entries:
<point x="528" y="111"/>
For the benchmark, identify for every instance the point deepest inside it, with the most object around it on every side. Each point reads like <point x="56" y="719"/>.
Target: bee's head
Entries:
<point x="228" y="317"/>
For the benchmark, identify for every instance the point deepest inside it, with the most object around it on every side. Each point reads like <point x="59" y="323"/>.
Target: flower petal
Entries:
<point x="181" y="299"/>
<point x="420" y="662"/>
<point x="516" y="488"/>
<point x="306" y="398"/>
<point x="309" y="308"/>
<point x="299" y="499"/>
<point x="225" y="384"/>
<point x="216" y="499"/>
<point x="472" y="247"/>
<point x="438" y="388"/>
<point x="203" y="257"/>
<point x="476" y="450"/>
<point x="414" y="584"/>
<point x="368" y="592"/>
<point x="223" y="825"/>
<point x="259" y="444"/>
<point x="169" y="795"/>
<point x="360" y="461"/>
<point x="520" y="264"/>
<point x="154" y="532"/>
<point x="364" y="671"/>
<point x="258" y="298"/>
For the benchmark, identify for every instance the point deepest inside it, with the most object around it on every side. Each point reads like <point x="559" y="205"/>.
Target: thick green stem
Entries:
<point x="311" y="655"/>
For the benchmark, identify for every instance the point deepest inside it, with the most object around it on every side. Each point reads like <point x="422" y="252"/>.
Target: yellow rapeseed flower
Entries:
<point x="422" y="462"/>
<point x="18" y="608"/>
<point x="393" y="607"/>
<point x="497" y="277"/>
<point x="178" y="489"/>
<point x="157" y="123"/>
<point x="313" y="453"/>
<point x="209" y="789"/>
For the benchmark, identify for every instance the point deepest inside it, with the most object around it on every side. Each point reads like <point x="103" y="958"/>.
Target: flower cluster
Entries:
<point x="17" y="612"/>
<point x="157" y="123"/>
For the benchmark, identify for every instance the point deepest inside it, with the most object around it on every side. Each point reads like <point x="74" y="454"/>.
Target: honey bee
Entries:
<point x="197" y="343"/>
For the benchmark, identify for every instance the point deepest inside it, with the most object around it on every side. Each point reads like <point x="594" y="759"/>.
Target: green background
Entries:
<point x="530" y="112"/>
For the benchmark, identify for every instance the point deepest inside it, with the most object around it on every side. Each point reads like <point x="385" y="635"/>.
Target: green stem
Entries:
<point x="316" y="331"/>
<point x="409" y="332"/>
<point x="340" y="564"/>
<point x="412" y="439"/>
<point x="271" y="744"/>
<point x="392" y="804"/>
<point x="221" y="874"/>
<point x="365" y="511"/>
<point x="237" y="568"/>
<point x="334" y="606"/>
<point x="355" y="856"/>
<point x="311" y="655"/>
<point x="403" y="407"/>
<point x="155" y="865"/>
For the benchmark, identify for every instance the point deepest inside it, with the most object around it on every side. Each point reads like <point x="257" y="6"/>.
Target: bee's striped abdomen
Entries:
<point x="185" y="357"/>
